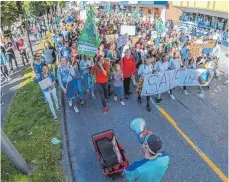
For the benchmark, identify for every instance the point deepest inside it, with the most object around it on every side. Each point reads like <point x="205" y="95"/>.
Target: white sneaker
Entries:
<point x="185" y="92"/>
<point x="172" y="96"/>
<point x="70" y="102"/>
<point x="55" y="118"/>
<point x="93" y="96"/>
<point x="76" y="109"/>
<point x="115" y="98"/>
<point x="8" y="79"/>
<point x="88" y="91"/>
<point x="123" y="103"/>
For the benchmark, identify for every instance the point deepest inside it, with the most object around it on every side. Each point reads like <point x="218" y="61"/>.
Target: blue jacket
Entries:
<point x="38" y="66"/>
<point x="63" y="75"/>
<point x="146" y="170"/>
<point x="65" y="52"/>
<point x="51" y="77"/>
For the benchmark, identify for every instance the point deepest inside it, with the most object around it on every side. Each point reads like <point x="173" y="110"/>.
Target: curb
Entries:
<point x="65" y="140"/>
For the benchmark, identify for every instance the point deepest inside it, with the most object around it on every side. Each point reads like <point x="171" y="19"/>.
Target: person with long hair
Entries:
<point x="75" y="65"/>
<point x="49" y="92"/>
<point x="65" y="79"/>
<point x="145" y="69"/>
<point x="101" y="72"/>
<point x="113" y="54"/>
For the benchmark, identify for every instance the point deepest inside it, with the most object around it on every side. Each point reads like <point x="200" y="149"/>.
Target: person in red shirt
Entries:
<point x="20" y="46"/>
<point x="101" y="72"/>
<point x="128" y="66"/>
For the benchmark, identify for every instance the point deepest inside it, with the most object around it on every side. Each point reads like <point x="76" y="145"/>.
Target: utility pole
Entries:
<point x="12" y="153"/>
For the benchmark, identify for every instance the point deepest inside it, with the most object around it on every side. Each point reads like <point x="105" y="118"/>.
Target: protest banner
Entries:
<point x="111" y="38"/>
<point x="122" y="41"/>
<point x="127" y="29"/>
<point x="46" y="83"/>
<point x="164" y="81"/>
<point x="89" y="38"/>
<point x="134" y="40"/>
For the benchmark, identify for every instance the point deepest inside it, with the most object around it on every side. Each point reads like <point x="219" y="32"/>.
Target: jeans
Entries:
<point x="103" y="89"/>
<point x="126" y="83"/>
<point x="78" y="87"/>
<point x="48" y="97"/>
<point x="118" y="91"/>
<point x="10" y="58"/>
<point x="4" y="71"/>
<point x="85" y="78"/>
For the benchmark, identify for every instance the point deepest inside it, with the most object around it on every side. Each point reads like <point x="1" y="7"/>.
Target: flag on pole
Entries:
<point x="89" y="38"/>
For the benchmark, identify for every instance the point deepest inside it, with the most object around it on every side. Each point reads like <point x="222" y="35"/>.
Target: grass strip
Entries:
<point x="30" y="126"/>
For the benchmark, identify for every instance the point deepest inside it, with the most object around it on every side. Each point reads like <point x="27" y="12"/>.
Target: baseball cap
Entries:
<point x="154" y="142"/>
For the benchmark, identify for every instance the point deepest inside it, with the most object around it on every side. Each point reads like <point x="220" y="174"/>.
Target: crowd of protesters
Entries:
<point x="112" y="69"/>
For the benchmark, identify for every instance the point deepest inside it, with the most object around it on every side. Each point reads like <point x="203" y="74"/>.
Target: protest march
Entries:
<point x="107" y="55"/>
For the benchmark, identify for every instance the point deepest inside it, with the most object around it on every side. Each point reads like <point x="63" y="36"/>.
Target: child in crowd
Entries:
<point x="37" y="65"/>
<point x="118" y="83"/>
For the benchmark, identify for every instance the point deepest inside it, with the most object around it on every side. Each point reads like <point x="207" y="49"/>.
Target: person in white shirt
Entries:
<point x="145" y="69"/>
<point x="161" y="66"/>
<point x="176" y="63"/>
<point x="216" y="50"/>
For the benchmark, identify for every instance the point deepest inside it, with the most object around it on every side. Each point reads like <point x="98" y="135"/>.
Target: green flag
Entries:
<point x="89" y="38"/>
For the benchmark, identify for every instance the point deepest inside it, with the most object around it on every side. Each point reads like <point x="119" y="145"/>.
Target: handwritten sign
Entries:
<point x="122" y="41"/>
<point x="134" y="39"/>
<point x="195" y="50"/>
<point x="164" y="81"/>
<point x="111" y="38"/>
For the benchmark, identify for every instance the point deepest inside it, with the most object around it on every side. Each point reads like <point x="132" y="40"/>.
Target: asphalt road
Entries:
<point x="202" y="117"/>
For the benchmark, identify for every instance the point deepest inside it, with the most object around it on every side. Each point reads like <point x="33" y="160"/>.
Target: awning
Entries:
<point x="157" y="3"/>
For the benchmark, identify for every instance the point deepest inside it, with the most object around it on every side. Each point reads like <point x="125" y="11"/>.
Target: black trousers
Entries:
<point x="23" y="54"/>
<point x="126" y="83"/>
<point x="103" y="91"/>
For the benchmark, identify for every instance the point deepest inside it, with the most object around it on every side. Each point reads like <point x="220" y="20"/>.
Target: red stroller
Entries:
<point x="110" y="153"/>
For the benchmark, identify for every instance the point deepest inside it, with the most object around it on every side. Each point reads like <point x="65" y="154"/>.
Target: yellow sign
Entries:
<point x="134" y="39"/>
<point x="209" y="44"/>
<point x="111" y="38"/>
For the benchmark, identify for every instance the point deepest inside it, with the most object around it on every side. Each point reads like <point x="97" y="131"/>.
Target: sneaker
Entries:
<point x="159" y="100"/>
<point x="105" y="110"/>
<point x="172" y="96"/>
<point x="126" y="97"/>
<point x="76" y="109"/>
<point x="115" y="98"/>
<point x="122" y="103"/>
<point x="201" y="91"/>
<point x="93" y="96"/>
<point x="129" y="93"/>
<point x="81" y="101"/>
<point x="58" y="109"/>
<point x="139" y="100"/>
<point x="88" y="91"/>
<point x="70" y="102"/>
<point x="55" y="118"/>
<point x="148" y="107"/>
<point x="2" y="103"/>
<point x="185" y="92"/>
<point x="2" y="94"/>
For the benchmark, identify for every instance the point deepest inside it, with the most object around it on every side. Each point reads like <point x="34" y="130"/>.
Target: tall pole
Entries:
<point x="12" y="153"/>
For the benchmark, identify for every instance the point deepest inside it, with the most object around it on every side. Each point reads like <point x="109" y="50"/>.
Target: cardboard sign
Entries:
<point x="46" y="83"/>
<point x="164" y="81"/>
<point x="209" y="44"/>
<point x="122" y="41"/>
<point x="134" y="39"/>
<point x="111" y="38"/>
<point x="127" y="29"/>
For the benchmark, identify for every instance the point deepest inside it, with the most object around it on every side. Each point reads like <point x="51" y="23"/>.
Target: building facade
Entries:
<point x="205" y="14"/>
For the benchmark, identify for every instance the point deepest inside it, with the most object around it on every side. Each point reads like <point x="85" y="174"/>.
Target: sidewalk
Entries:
<point x="9" y="88"/>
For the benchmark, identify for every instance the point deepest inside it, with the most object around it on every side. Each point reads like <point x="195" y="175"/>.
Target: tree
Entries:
<point x="9" y="13"/>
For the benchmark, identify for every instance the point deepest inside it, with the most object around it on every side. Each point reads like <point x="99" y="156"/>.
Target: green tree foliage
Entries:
<point x="9" y="13"/>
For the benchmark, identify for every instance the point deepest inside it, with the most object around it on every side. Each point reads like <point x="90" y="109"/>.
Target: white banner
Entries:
<point x="164" y="81"/>
<point x="127" y="29"/>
